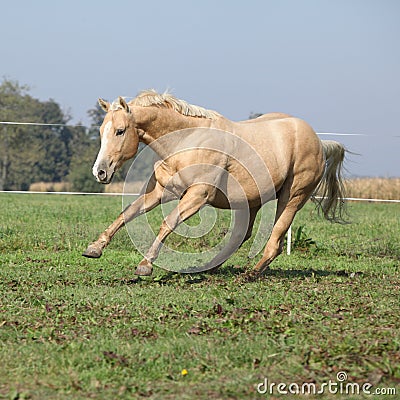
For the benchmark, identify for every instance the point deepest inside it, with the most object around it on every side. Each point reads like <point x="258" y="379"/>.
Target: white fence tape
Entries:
<point x="368" y="200"/>
<point x="41" y="124"/>
<point x="137" y="194"/>
<point x="66" y="193"/>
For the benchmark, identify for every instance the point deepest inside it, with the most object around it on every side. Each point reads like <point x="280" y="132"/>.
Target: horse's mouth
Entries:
<point x="106" y="181"/>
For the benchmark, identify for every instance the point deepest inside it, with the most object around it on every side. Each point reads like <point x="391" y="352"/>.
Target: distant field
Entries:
<point x="75" y="328"/>
<point x="374" y="188"/>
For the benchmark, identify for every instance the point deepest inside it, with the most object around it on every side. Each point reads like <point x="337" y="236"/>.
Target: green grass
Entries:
<point x="75" y="328"/>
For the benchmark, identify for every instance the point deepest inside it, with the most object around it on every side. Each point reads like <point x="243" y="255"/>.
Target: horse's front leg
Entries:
<point x="193" y="200"/>
<point x="141" y="205"/>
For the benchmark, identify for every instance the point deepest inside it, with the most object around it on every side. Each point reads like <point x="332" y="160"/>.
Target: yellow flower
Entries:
<point x="184" y="372"/>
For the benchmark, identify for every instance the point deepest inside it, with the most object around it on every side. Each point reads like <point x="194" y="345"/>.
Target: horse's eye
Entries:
<point x="120" y="132"/>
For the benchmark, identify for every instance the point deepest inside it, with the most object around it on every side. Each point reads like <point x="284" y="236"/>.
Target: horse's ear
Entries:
<point x="123" y="104"/>
<point x="105" y="105"/>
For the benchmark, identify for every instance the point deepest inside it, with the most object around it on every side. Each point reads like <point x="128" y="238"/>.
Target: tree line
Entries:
<point x="46" y="153"/>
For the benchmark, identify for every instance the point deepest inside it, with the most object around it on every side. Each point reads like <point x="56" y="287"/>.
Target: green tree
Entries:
<point x="255" y="115"/>
<point x="86" y="144"/>
<point x="31" y="153"/>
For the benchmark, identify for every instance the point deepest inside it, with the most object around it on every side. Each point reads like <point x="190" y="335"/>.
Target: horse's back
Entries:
<point x="279" y="133"/>
<point x="266" y="117"/>
<point x="286" y="144"/>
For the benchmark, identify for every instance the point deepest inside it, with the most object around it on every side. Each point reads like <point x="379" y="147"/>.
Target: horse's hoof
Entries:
<point x="144" y="268"/>
<point x="92" y="252"/>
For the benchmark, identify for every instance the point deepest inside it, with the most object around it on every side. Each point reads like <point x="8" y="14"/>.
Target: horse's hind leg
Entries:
<point x="287" y="208"/>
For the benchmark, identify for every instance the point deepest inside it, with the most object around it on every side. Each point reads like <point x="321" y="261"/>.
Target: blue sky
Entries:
<point x="335" y="64"/>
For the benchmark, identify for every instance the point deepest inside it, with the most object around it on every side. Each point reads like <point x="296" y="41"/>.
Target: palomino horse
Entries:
<point x="214" y="161"/>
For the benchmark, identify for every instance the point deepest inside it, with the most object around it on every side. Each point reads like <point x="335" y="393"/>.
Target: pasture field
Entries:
<point x="76" y="328"/>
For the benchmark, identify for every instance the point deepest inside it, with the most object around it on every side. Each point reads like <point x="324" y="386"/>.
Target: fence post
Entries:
<point x="289" y="240"/>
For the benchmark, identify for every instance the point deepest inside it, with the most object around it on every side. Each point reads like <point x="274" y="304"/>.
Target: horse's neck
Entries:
<point x="156" y="123"/>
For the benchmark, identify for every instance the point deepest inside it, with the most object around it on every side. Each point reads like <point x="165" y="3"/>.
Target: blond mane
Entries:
<point x="150" y="97"/>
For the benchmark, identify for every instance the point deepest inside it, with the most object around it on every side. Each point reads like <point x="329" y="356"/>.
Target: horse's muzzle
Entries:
<point x="103" y="173"/>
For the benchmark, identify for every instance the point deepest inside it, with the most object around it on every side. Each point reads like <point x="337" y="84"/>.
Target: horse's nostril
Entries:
<point x="101" y="174"/>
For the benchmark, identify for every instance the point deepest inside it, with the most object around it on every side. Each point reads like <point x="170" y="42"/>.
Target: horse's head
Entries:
<point x="119" y="139"/>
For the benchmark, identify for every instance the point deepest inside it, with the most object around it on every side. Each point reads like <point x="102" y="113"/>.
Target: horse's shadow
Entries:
<point x="307" y="273"/>
<point x="238" y="272"/>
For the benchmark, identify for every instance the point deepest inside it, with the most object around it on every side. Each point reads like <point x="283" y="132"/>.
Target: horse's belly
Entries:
<point x="242" y="193"/>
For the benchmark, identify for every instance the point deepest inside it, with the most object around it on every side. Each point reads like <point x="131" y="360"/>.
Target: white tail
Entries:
<point x="330" y="190"/>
